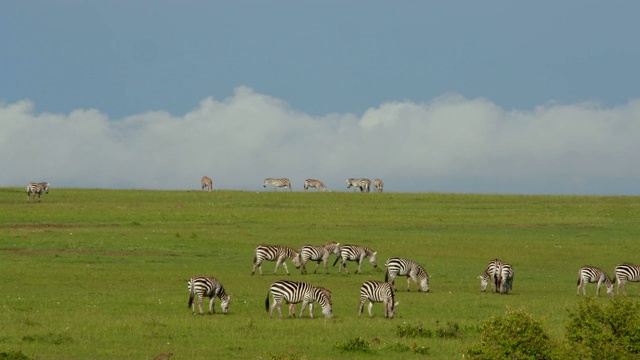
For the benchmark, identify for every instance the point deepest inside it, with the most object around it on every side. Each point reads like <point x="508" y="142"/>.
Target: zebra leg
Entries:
<point x="317" y="266"/>
<point x="212" y="309"/>
<point x="257" y="264"/>
<point x="598" y="287"/>
<point x="276" y="302"/>
<point x="200" y="296"/>
<point x="362" y="301"/>
<point x="292" y="309"/>
<point x="392" y="281"/>
<point x="284" y="265"/>
<point x="370" y="306"/>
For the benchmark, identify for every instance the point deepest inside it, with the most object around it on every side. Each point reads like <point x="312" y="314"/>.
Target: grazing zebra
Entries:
<point x="378" y="185"/>
<point x="378" y="291"/>
<point x="276" y="183"/>
<point x="592" y="274"/>
<point x="210" y="287"/>
<point x="624" y="273"/>
<point x="362" y="184"/>
<point x="355" y="253"/>
<point x="274" y="253"/>
<point x="505" y="278"/>
<point x="312" y="183"/>
<point x="405" y="267"/>
<point x="490" y="274"/>
<point x="318" y="254"/>
<point x="294" y="292"/>
<point x="37" y="189"/>
<point x="206" y="182"/>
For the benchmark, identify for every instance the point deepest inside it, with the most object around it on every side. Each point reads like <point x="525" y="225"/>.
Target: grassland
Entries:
<point x="101" y="274"/>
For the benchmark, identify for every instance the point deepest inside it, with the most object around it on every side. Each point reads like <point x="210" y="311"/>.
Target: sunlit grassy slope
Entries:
<point x="101" y="274"/>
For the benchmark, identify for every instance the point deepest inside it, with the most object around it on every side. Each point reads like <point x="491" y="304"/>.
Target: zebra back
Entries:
<point x="404" y="267"/>
<point x="206" y="286"/>
<point x="378" y="291"/>
<point x="362" y="183"/>
<point x="206" y="182"/>
<point x="591" y="274"/>
<point x="294" y="292"/>
<point x="314" y="184"/>
<point x="276" y="183"/>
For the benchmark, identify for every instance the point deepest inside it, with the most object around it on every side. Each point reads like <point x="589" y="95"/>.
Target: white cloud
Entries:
<point x="449" y="144"/>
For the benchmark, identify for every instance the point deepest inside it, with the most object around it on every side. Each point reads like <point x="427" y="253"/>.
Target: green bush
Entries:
<point x="13" y="355"/>
<point x="515" y="336"/>
<point x="354" y="345"/>
<point x="604" y="331"/>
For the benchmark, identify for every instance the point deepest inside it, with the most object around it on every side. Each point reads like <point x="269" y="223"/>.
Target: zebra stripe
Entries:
<point x="293" y="292"/>
<point x="276" y="183"/>
<point x="211" y="288"/>
<point x="404" y="267"/>
<point x="355" y="253"/>
<point x="490" y="274"/>
<point x="37" y="189"/>
<point x="624" y="273"/>
<point x="378" y="291"/>
<point x="363" y="184"/>
<point x="312" y="183"/>
<point x="591" y="274"/>
<point x="275" y="253"/>
<point x="318" y="254"/>
<point x="206" y="182"/>
<point x="378" y="185"/>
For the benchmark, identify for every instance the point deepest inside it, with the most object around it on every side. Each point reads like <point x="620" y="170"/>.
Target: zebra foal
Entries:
<point x="591" y="274"/>
<point x="293" y="292"/>
<point x="276" y="183"/>
<point x="210" y="287"/>
<point x="378" y="291"/>
<point x="276" y="253"/>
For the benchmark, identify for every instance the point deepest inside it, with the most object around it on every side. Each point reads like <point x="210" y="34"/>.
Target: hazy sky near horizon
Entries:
<point x="489" y="97"/>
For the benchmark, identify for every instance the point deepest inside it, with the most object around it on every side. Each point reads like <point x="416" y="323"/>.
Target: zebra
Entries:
<point x="624" y="273"/>
<point x="37" y="189"/>
<point x="491" y="274"/>
<point x="294" y="292"/>
<point x="318" y="254"/>
<point x="276" y="183"/>
<point x="206" y="182"/>
<point x="378" y="291"/>
<point x="505" y="278"/>
<point x="312" y="183"/>
<point x="210" y="287"/>
<point x="378" y="185"/>
<point x="404" y="267"/>
<point x="363" y="184"/>
<point x="592" y="274"/>
<point x="275" y="253"/>
<point x="355" y="253"/>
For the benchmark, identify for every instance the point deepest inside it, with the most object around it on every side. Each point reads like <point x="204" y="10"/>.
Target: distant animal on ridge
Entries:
<point x="312" y="183"/>
<point x="206" y="182"/>
<point x="37" y="189"/>
<point x="378" y="185"/>
<point x="362" y="184"/>
<point x="276" y="183"/>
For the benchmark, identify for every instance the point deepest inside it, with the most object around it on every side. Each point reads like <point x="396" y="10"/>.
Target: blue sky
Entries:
<point x="500" y="97"/>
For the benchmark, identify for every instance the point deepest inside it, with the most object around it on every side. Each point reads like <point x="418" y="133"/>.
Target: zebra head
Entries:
<point x="45" y="187"/>
<point x="350" y="182"/>
<point x="391" y="308"/>
<point x="484" y="281"/>
<point x="424" y="284"/>
<point x="325" y="302"/>
<point x="224" y="303"/>
<point x="296" y="259"/>
<point x="372" y="258"/>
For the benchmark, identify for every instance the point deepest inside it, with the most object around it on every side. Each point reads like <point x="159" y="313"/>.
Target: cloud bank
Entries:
<point x="450" y="144"/>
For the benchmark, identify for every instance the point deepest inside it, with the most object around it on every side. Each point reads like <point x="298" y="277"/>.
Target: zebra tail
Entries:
<point x="386" y="274"/>
<point x="335" y="262"/>
<point x="266" y="303"/>
<point x="192" y="294"/>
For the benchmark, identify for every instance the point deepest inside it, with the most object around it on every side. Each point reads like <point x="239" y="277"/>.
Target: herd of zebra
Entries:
<point x="497" y="273"/>
<point x="293" y="292"/>
<point x="363" y="184"/>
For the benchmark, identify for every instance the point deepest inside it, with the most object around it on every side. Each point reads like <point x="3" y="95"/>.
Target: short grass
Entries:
<point x="102" y="274"/>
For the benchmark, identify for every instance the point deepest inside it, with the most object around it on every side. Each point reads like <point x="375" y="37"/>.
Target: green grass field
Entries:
<point x="102" y="274"/>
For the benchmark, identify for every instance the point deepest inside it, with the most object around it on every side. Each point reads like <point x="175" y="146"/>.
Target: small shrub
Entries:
<point x="609" y="331"/>
<point x="514" y="336"/>
<point x="450" y="331"/>
<point x="413" y="331"/>
<point x="354" y="345"/>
